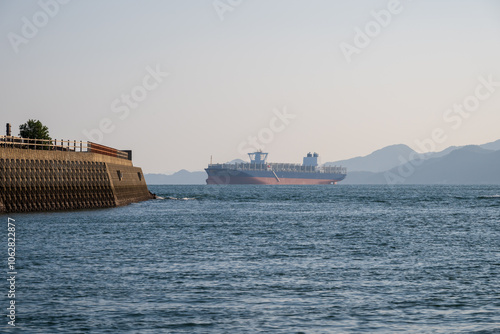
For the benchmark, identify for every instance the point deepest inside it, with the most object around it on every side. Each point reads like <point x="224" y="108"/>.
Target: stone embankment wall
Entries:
<point x="33" y="180"/>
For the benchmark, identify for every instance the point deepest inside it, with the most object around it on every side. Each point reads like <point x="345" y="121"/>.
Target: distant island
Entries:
<point x="398" y="164"/>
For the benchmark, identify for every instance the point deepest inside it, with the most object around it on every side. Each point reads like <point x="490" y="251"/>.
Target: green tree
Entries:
<point x="34" y="129"/>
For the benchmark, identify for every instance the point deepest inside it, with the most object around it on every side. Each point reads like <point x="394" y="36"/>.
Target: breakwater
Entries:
<point x="68" y="175"/>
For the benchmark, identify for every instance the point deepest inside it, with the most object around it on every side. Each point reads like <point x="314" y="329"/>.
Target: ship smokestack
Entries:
<point x="8" y="130"/>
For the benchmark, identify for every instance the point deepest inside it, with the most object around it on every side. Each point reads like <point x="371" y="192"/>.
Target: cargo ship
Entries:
<point x="259" y="171"/>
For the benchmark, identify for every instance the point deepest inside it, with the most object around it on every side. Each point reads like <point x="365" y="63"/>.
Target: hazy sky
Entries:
<point x="346" y="77"/>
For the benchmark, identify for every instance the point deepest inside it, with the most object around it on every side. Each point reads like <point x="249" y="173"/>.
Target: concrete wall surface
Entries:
<point x="49" y="180"/>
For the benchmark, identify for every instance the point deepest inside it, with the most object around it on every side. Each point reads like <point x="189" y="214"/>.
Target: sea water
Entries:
<point x="264" y="259"/>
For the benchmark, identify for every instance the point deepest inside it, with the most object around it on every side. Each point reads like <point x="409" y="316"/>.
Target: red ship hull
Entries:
<point x="265" y="180"/>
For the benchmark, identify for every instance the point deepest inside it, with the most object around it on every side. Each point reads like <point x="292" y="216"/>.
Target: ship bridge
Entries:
<point x="258" y="157"/>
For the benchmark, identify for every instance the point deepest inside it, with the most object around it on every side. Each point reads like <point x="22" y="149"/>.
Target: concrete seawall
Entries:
<point x="37" y="180"/>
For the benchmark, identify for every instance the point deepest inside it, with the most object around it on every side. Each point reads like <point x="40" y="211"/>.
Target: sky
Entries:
<point x="181" y="82"/>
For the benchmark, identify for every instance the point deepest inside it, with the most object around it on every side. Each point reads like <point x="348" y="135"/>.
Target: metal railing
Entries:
<point x="61" y="145"/>
<point x="281" y="167"/>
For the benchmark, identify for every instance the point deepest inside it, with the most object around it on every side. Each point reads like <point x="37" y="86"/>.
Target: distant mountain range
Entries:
<point x="398" y="164"/>
<point x="395" y="155"/>
<point x="181" y="177"/>
<point x="466" y="165"/>
<point x="378" y="161"/>
<point x="494" y="146"/>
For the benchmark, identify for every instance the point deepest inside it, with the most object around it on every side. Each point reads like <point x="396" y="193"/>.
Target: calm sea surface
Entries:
<point x="255" y="259"/>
